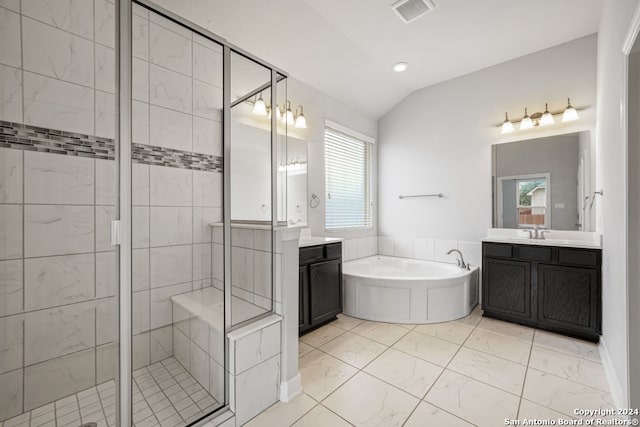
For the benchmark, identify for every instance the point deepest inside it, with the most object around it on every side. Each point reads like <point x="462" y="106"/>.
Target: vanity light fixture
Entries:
<point x="526" y="122"/>
<point x="547" y="117"/>
<point x="400" y="67"/>
<point x="507" y="126"/>
<point x="278" y="113"/>
<point x="288" y="115"/>
<point x="570" y="113"/>
<point x="301" y="122"/>
<point x="259" y="107"/>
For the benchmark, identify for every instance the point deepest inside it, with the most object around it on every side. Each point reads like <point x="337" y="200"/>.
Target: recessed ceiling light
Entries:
<point x="400" y="67"/>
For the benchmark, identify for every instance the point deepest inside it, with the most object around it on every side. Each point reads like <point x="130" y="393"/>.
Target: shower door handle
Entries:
<point x="115" y="233"/>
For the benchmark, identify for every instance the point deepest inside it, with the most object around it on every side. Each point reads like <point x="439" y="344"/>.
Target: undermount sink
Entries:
<point x="577" y="239"/>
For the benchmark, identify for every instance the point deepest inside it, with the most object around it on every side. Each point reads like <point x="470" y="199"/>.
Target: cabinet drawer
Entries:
<point x="534" y="253"/>
<point x="311" y="254"/>
<point x="578" y="257"/>
<point x="333" y="251"/>
<point x="498" y="250"/>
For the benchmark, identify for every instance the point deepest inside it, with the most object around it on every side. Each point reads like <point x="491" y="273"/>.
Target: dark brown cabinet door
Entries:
<point x="303" y="284"/>
<point x="507" y="287"/>
<point x="325" y="290"/>
<point x="568" y="297"/>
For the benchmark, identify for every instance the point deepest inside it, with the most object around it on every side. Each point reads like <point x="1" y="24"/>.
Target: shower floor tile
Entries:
<point x="164" y="394"/>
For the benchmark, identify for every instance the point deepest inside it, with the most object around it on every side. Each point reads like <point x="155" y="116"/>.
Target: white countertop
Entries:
<point x="569" y="239"/>
<point x="315" y="241"/>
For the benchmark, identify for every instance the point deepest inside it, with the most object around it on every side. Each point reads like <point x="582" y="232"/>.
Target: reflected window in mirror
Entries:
<point x="532" y="202"/>
<point x="544" y="182"/>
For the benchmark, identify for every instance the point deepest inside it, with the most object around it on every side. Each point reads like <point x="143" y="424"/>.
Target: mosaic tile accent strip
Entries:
<point x="26" y="137"/>
<point x="160" y="156"/>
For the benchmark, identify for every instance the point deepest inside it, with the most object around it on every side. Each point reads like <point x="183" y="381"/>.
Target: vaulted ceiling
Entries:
<point x="347" y="48"/>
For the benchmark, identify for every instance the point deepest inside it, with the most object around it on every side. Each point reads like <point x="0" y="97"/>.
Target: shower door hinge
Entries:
<point x="115" y="233"/>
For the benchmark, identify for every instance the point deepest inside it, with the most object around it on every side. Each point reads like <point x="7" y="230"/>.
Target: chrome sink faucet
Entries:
<point x="537" y="233"/>
<point x="460" y="259"/>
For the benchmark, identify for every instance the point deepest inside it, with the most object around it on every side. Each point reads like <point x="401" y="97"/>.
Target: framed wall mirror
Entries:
<point x="544" y="182"/>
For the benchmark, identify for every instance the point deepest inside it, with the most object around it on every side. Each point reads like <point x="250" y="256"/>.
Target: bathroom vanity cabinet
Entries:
<point x="320" y="285"/>
<point x="547" y="287"/>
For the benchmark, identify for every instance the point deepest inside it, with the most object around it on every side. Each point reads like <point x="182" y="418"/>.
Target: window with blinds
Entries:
<point x="347" y="163"/>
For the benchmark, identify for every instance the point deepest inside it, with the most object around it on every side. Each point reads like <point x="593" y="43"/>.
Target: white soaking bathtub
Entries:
<point x="400" y="290"/>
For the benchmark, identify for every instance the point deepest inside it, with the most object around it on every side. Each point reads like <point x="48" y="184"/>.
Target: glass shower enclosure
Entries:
<point x="137" y="209"/>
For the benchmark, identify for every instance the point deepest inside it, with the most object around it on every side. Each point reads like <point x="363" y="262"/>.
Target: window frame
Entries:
<point x="368" y="144"/>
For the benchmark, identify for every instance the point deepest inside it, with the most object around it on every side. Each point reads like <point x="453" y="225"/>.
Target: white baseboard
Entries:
<point x="616" y="386"/>
<point x="291" y="389"/>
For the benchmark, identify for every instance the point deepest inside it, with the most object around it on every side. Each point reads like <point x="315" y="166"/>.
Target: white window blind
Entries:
<point x="347" y="161"/>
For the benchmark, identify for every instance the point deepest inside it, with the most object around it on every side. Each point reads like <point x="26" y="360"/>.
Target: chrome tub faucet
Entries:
<point x="460" y="259"/>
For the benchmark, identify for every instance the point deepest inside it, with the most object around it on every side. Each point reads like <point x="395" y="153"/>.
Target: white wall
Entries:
<point x="610" y="160"/>
<point x="439" y="138"/>
<point x="319" y="106"/>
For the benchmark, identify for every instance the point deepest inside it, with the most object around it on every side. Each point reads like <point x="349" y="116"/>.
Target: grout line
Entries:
<point x="96" y="301"/>
<point x="525" y="375"/>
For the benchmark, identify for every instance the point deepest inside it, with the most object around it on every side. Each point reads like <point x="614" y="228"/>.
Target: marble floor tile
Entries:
<point x="428" y="348"/>
<point x="303" y="348"/>
<point x="320" y="416"/>
<point x="499" y="345"/>
<point x="353" y="349"/>
<point x="406" y="325"/>
<point x="530" y="410"/>
<point x="510" y="330"/>
<point x="384" y="333"/>
<point x="472" y="319"/>
<point x="321" y="336"/>
<point x="346" y="322"/>
<point x="367" y="401"/>
<point x="450" y="331"/>
<point x="561" y="394"/>
<point x="573" y="346"/>
<point x="408" y="373"/>
<point x="428" y="415"/>
<point x="284" y="414"/>
<point x="322" y="374"/>
<point x="492" y="370"/>
<point x="476" y="402"/>
<point x="570" y="367"/>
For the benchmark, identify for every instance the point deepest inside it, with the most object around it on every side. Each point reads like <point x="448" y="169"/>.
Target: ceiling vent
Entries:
<point x="410" y="10"/>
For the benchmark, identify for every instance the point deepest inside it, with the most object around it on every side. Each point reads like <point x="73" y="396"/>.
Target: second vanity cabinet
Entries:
<point x="320" y="285"/>
<point x="548" y="287"/>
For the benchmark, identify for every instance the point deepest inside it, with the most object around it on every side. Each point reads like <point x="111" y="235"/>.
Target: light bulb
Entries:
<point x="547" y="117"/>
<point x="278" y="113"/>
<point x="507" y="126"/>
<point x="288" y="115"/>
<point x="570" y="113"/>
<point x="259" y="107"/>
<point x="400" y="67"/>
<point x="526" y="122"/>
<point x="301" y="122"/>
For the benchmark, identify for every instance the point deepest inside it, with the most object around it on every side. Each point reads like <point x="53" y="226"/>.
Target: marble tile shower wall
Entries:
<point x="58" y="277"/>
<point x="57" y="268"/>
<point x="251" y="266"/>
<point x="177" y="104"/>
